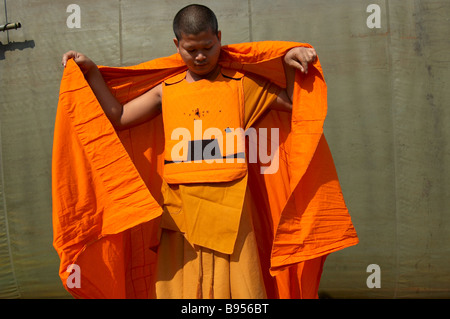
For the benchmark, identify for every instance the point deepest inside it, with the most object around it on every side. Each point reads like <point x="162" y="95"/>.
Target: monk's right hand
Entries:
<point x="82" y="60"/>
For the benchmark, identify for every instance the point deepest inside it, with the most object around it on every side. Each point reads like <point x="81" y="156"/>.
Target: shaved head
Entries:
<point x="193" y="19"/>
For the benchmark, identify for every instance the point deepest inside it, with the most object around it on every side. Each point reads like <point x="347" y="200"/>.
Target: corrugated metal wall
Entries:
<point x="388" y="124"/>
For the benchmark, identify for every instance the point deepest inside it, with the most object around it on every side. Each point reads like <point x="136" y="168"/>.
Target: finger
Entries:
<point x="298" y="65"/>
<point x="64" y="60"/>
<point x="66" y="57"/>
<point x="305" y="67"/>
<point x="313" y="55"/>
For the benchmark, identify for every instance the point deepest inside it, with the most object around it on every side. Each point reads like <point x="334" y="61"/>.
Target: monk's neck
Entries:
<point x="193" y="77"/>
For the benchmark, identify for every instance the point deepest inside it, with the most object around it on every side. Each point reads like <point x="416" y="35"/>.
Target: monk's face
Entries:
<point x="200" y="51"/>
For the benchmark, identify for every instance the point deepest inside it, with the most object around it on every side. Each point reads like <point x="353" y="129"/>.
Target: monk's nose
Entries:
<point x="200" y="57"/>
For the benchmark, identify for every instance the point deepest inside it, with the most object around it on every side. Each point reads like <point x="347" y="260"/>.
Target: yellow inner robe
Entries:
<point x="187" y="270"/>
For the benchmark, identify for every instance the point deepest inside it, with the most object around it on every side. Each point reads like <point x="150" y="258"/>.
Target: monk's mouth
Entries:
<point x="201" y="65"/>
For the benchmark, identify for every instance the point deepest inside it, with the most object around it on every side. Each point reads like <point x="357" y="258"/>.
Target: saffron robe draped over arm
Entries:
<point x="106" y="185"/>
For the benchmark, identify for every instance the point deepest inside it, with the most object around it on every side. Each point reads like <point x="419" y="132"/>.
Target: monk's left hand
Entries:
<point x="300" y="57"/>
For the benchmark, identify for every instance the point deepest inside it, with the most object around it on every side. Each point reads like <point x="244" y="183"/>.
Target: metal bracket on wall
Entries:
<point x="10" y="26"/>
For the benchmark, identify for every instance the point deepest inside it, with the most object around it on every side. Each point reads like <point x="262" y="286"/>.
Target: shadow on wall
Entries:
<point x="11" y="46"/>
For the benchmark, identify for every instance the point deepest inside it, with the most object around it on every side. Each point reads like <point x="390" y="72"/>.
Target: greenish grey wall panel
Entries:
<point x="8" y="281"/>
<point x="387" y="125"/>
<point x="419" y="37"/>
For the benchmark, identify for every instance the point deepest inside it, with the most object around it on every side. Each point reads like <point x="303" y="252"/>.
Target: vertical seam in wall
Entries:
<point x="120" y="32"/>
<point x="250" y="22"/>
<point x="8" y="241"/>
<point x="6" y="21"/>
<point x="394" y="143"/>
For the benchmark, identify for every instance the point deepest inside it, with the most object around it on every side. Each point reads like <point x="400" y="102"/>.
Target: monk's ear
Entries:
<point x="175" y="40"/>
<point x="219" y="35"/>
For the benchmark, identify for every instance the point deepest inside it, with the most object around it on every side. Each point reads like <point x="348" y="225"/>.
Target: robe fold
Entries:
<point x="106" y="185"/>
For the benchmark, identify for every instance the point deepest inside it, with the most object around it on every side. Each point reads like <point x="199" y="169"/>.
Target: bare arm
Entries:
<point x="137" y="111"/>
<point x="282" y="102"/>
<point x="295" y="59"/>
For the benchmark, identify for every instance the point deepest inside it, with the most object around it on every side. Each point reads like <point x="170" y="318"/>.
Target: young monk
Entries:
<point x="207" y="246"/>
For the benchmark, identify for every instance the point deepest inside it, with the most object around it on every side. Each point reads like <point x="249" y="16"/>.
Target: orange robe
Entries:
<point x="106" y="186"/>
